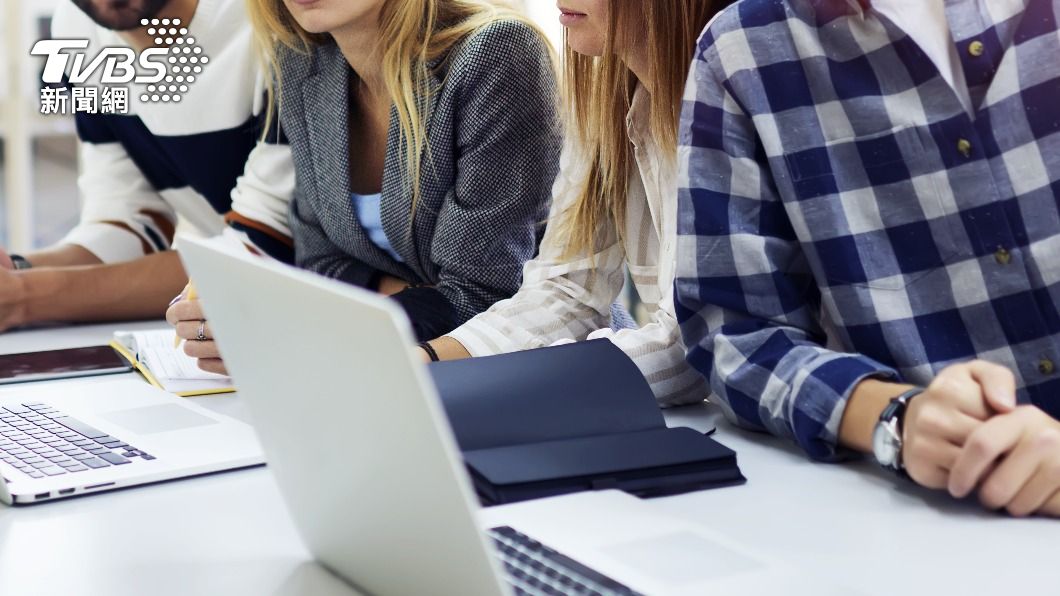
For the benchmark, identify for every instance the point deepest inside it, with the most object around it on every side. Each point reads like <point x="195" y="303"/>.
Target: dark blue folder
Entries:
<point x="570" y="418"/>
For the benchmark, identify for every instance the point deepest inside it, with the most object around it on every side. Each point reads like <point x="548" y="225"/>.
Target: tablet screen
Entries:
<point x="58" y="364"/>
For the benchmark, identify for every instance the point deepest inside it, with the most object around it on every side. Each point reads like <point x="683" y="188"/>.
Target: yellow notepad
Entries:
<point x="152" y="353"/>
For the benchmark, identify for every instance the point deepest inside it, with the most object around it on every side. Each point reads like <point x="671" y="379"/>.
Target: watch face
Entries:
<point x="886" y="445"/>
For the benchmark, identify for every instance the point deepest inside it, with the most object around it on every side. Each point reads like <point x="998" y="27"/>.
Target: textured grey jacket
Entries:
<point x="493" y="154"/>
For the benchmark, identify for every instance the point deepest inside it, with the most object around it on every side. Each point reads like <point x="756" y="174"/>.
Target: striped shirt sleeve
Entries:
<point x="563" y="300"/>
<point x="123" y="217"/>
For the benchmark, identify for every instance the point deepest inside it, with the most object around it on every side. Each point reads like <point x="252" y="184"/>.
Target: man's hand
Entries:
<point x="942" y="418"/>
<point x="12" y="298"/>
<point x="5" y="261"/>
<point x="1014" y="459"/>
<point x="187" y="318"/>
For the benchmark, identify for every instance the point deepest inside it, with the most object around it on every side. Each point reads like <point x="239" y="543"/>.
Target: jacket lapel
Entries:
<point x="326" y="100"/>
<point x="397" y="189"/>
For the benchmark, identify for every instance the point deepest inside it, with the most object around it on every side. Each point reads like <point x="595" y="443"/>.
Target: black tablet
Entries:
<point x="61" y="364"/>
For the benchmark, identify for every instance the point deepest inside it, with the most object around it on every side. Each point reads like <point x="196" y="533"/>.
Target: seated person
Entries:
<point x="868" y="228"/>
<point x="614" y="200"/>
<point x="441" y="218"/>
<point x="200" y="158"/>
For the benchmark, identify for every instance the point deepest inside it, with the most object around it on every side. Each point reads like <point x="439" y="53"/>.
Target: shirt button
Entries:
<point x="976" y="48"/>
<point x="965" y="147"/>
<point x="1046" y="366"/>
<point x="1002" y="256"/>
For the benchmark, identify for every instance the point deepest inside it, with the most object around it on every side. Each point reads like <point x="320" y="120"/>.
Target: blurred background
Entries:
<point x="38" y="155"/>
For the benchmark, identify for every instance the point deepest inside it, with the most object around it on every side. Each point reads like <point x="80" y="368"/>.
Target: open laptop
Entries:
<point x="356" y="437"/>
<point x="62" y="439"/>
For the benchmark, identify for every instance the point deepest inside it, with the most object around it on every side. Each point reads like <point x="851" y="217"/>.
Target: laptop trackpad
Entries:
<point x="157" y="419"/>
<point x="681" y="557"/>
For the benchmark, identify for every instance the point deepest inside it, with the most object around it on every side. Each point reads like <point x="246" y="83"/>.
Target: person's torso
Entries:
<point x="193" y="150"/>
<point x="932" y="232"/>
<point x="651" y="212"/>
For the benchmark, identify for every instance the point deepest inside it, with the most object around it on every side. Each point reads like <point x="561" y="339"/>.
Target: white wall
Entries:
<point x="546" y="14"/>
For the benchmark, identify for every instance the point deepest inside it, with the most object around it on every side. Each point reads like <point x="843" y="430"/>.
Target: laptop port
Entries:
<point x="42" y="496"/>
<point x="95" y="486"/>
<point x="67" y="491"/>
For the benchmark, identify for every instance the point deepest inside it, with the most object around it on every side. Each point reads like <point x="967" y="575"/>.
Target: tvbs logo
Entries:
<point x="118" y="64"/>
<point x="167" y="68"/>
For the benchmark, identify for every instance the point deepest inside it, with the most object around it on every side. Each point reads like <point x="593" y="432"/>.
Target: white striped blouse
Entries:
<point x="563" y="300"/>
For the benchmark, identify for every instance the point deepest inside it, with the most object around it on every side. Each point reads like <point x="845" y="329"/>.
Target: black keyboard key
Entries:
<point x="95" y="462"/>
<point x="113" y="458"/>
<point x="81" y="428"/>
<point x="538" y="568"/>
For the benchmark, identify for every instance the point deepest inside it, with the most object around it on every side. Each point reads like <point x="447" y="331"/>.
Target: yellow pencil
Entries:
<point x="189" y="293"/>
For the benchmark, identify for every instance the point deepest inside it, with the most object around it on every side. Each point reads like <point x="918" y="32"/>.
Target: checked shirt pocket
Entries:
<point x="870" y="210"/>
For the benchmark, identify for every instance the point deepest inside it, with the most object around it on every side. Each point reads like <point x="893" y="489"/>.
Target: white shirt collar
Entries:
<point x="924" y="21"/>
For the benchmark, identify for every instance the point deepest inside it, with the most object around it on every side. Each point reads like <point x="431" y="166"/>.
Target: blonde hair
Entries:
<point x="417" y="32"/>
<point x="599" y="94"/>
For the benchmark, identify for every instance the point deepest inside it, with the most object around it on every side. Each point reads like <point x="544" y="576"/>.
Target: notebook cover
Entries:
<point x="576" y="390"/>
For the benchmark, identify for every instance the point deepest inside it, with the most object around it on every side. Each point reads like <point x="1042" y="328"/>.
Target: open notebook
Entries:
<point x="166" y="367"/>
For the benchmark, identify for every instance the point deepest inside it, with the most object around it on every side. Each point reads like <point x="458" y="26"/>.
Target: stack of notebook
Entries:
<point x="571" y="418"/>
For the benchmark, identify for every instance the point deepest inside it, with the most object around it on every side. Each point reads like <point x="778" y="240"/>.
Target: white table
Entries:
<point x="229" y="534"/>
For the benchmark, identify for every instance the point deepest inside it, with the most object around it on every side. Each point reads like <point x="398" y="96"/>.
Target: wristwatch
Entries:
<point x="887" y="437"/>
<point x="20" y="262"/>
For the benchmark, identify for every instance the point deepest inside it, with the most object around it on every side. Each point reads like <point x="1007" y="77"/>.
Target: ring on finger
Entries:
<point x="202" y="331"/>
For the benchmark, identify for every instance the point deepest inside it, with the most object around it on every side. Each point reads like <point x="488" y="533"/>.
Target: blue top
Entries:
<point x="368" y="212"/>
<point x="915" y="232"/>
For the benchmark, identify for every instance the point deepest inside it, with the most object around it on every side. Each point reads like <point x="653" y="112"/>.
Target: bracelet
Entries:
<point x="427" y="347"/>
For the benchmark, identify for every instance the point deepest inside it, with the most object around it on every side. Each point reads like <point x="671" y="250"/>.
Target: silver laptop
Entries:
<point x="68" y="438"/>
<point x="358" y="442"/>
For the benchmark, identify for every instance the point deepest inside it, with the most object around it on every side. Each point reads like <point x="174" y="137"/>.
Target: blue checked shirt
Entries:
<point x="843" y="216"/>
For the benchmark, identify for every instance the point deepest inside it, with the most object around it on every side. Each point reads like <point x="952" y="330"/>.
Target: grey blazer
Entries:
<point x="493" y="153"/>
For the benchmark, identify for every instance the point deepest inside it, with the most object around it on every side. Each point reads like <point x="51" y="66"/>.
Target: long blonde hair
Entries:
<point x="599" y="93"/>
<point x="417" y="32"/>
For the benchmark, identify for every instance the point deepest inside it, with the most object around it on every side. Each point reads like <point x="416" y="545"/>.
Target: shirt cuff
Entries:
<point x="109" y="243"/>
<point x="822" y="398"/>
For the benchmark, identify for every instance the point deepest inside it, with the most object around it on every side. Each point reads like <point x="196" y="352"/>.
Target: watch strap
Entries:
<point x="896" y="411"/>
<point x="20" y="262"/>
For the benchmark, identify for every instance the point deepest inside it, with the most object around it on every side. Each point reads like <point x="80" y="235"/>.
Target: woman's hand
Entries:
<point x="390" y="285"/>
<point x="188" y="319"/>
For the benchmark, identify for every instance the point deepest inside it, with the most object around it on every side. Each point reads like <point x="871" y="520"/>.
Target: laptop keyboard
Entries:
<point x="532" y="568"/>
<point x="40" y="441"/>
